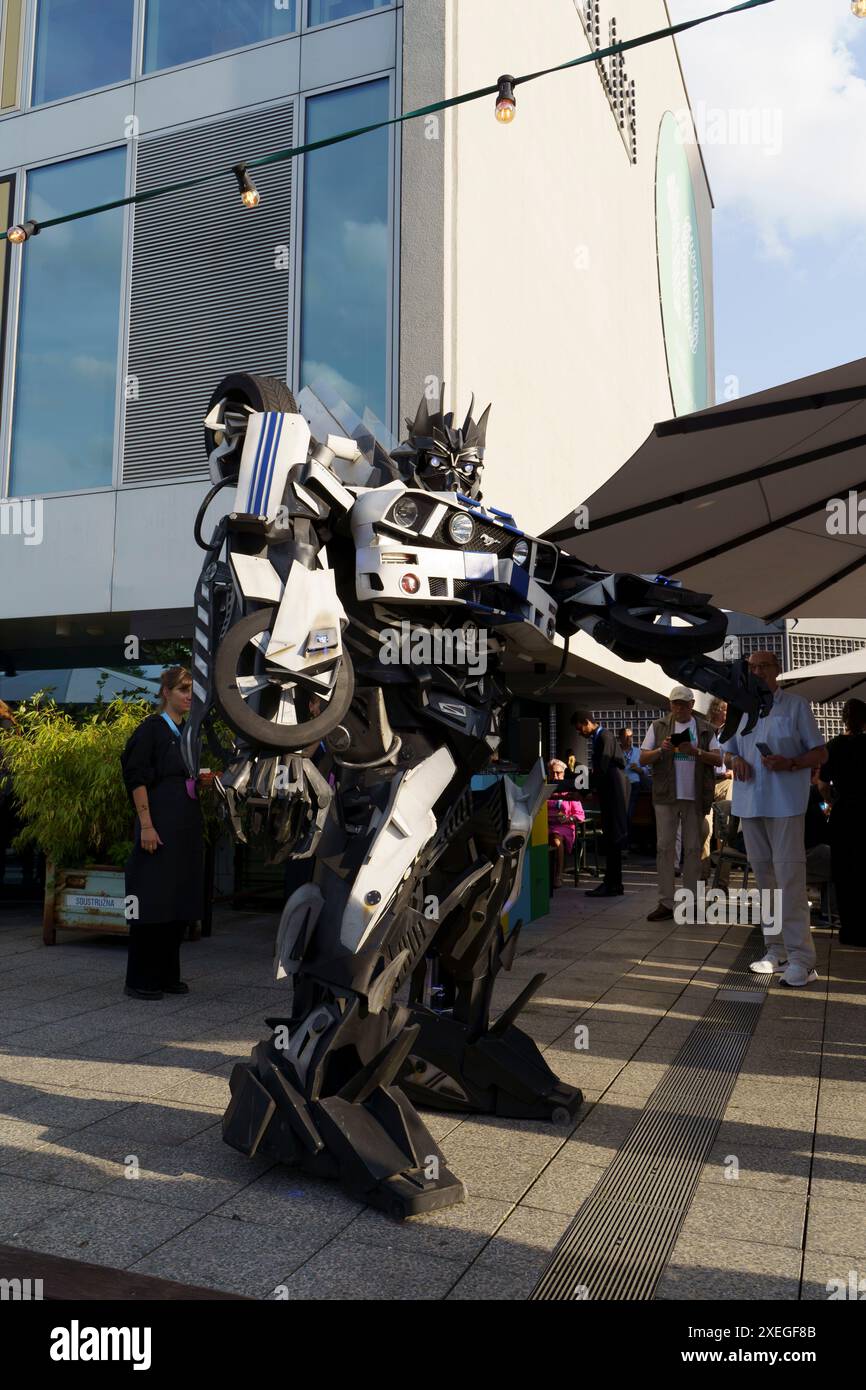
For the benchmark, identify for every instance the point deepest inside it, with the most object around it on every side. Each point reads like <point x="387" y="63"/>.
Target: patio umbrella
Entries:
<point x="733" y="501"/>
<point x="840" y="678"/>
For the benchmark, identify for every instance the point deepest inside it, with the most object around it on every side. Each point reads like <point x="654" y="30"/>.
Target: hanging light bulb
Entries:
<point x="506" y="101"/>
<point x="250" y="196"/>
<point x="21" y="232"/>
<point x="858" y="7"/>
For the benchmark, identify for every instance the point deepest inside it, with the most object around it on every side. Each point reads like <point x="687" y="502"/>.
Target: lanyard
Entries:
<point x="171" y="724"/>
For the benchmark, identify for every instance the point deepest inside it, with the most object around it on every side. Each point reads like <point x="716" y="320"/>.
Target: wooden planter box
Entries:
<point x="89" y="899"/>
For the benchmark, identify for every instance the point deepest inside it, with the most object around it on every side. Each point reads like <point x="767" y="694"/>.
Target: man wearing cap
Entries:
<point x="772" y="772"/>
<point x="683" y="752"/>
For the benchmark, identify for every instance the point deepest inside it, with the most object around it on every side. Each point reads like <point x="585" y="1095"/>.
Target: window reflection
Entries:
<point x="329" y="11"/>
<point x="346" y="263"/>
<point x="181" y="32"/>
<point x="81" y="45"/>
<point x="66" y="370"/>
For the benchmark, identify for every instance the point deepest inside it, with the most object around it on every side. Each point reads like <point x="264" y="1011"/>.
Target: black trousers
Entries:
<point x="612" y="860"/>
<point x="154" y="954"/>
<point x="848" y="882"/>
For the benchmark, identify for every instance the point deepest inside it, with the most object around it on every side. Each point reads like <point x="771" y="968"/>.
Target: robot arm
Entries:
<point x="632" y="615"/>
<point x="268" y="651"/>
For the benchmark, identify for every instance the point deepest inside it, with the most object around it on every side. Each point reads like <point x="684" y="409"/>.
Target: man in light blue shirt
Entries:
<point x="771" y="791"/>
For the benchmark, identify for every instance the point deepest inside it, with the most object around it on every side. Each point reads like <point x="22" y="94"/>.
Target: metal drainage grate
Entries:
<point x="619" y="1242"/>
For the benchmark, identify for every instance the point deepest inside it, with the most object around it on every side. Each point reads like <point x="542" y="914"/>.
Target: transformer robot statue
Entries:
<point x="348" y="595"/>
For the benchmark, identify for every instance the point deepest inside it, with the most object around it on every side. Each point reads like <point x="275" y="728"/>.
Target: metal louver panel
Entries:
<point x="210" y="287"/>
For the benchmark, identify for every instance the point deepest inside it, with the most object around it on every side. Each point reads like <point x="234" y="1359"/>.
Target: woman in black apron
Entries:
<point x="165" y="870"/>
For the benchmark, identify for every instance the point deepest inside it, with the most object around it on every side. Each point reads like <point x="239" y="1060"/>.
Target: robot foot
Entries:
<point x="500" y="1073"/>
<point x="372" y="1142"/>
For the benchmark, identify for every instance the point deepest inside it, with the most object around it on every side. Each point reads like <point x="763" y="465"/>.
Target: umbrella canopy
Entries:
<point x="733" y="502"/>
<point x="840" y="678"/>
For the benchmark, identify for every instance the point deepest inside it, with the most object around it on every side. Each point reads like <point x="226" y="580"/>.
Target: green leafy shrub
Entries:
<point x="67" y="781"/>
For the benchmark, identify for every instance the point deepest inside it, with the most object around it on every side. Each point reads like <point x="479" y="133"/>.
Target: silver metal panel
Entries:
<point x="156" y="563"/>
<point x="340" y="54"/>
<point x="66" y="128"/>
<point x="70" y="571"/>
<point x="218" y="85"/>
<point x="210" y="286"/>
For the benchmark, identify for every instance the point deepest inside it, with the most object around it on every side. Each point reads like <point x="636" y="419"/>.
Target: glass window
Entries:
<point x="66" y="369"/>
<point x="181" y="32"/>
<point x="7" y="206"/>
<point x="346" y="256"/>
<point x="81" y="45"/>
<point x="329" y="11"/>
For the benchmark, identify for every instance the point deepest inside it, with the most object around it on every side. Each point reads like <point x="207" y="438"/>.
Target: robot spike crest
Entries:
<point x="361" y="766"/>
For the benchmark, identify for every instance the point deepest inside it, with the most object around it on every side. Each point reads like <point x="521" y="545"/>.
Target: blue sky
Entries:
<point x="781" y="93"/>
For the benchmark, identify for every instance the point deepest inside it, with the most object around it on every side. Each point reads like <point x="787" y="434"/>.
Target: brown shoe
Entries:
<point x="660" y="914"/>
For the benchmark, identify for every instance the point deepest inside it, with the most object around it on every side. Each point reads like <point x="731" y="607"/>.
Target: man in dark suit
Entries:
<point x="609" y="781"/>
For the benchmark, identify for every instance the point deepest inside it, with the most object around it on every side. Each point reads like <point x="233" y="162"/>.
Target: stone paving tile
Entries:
<point x="492" y="1165"/>
<point x="344" y="1270"/>
<point x="287" y="1198"/>
<point x="65" y="1110"/>
<point x="837" y="1226"/>
<point x="455" y="1233"/>
<point x="743" y="1127"/>
<point x="747" y="1214"/>
<point x="841" y="1277"/>
<point x="525" y="1241"/>
<point x="230" y="1255"/>
<point x="141" y="1121"/>
<point x="102" y="1229"/>
<point x="24" y="1204"/>
<point x="758" y="1167"/>
<point x="719" y="1269"/>
<point x="564" y="1183"/>
<point x="514" y="1284"/>
<point x="72" y="1161"/>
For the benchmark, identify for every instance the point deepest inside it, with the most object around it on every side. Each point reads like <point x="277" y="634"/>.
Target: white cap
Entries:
<point x="681" y="692"/>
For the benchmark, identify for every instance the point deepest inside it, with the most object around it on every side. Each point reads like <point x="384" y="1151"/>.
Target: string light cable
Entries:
<point x="502" y="90"/>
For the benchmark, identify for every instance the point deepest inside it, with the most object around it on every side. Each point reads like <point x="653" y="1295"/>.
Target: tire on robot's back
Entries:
<point x="259" y="392"/>
<point x="264" y="732"/>
<point x="663" y="643"/>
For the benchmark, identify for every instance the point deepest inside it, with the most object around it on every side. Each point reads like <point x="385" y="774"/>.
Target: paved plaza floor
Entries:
<point x="96" y="1088"/>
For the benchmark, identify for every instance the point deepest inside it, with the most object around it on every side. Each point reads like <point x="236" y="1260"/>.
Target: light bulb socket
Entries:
<point x="250" y="196"/>
<point x="22" y="231"/>
<point x="506" y="101"/>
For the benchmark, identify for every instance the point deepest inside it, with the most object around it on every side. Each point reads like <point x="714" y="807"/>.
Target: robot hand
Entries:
<point x="731" y="681"/>
<point x="281" y="803"/>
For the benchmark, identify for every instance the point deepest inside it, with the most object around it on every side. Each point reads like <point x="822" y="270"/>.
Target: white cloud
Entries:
<point x="793" y="65"/>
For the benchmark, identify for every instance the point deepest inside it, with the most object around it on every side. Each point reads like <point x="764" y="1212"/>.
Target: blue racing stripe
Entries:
<point x="262" y="463"/>
<point x="254" y="474"/>
<point x="271" y="463"/>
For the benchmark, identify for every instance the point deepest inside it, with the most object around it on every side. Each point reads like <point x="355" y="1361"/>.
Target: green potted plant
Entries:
<point x="66" y="778"/>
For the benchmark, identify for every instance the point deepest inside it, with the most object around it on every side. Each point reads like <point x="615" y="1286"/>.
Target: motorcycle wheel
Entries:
<point x="639" y="629"/>
<point x="245" y="389"/>
<point x="240" y="658"/>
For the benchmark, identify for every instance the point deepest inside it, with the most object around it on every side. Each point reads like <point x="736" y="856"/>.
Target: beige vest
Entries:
<point x="664" y="774"/>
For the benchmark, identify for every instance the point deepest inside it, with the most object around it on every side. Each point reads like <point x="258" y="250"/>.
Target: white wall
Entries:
<point x="572" y="358"/>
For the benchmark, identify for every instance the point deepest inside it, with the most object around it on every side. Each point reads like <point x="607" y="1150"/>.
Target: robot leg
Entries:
<point x="321" y="1092"/>
<point x="462" y="1061"/>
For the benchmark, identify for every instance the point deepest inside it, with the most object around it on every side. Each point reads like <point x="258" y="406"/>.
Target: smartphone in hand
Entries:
<point x="764" y="749"/>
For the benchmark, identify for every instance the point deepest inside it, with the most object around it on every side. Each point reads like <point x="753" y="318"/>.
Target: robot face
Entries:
<point x="441" y="456"/>
<point x="442" y="471"/>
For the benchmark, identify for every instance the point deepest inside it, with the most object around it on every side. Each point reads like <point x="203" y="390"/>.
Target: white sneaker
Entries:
<point x="797" y="975"/>
<point x="770" y="964"/>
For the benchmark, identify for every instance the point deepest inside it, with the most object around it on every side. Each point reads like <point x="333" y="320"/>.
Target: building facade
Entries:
<point x="560" y="267"/>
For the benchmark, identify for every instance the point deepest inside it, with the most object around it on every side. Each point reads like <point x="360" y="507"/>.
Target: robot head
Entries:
<point x="439" y="455"/>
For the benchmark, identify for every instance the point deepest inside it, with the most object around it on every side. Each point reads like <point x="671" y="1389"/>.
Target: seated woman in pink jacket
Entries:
<point x="563" y="816"/>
